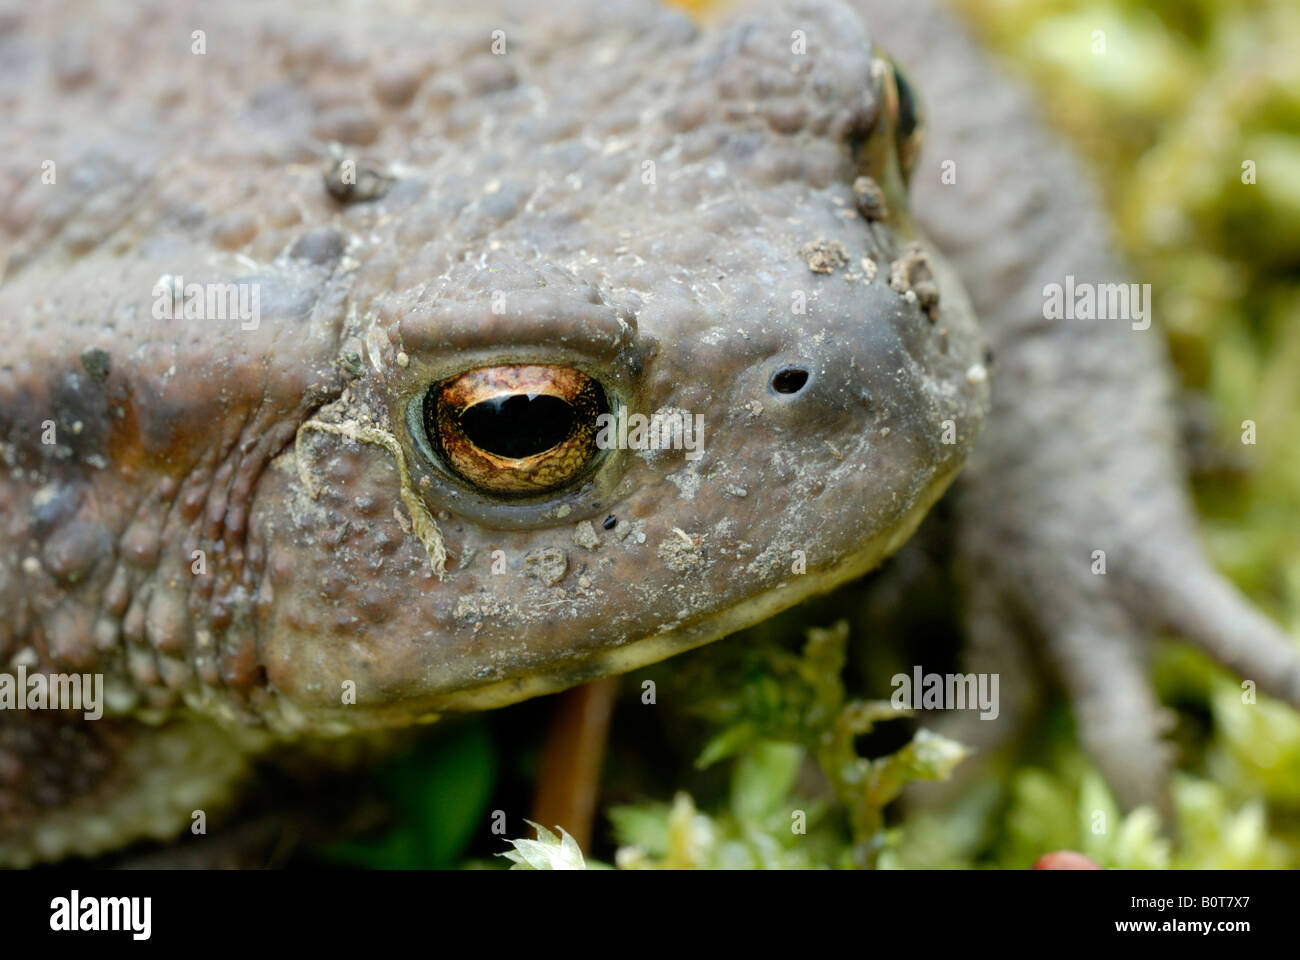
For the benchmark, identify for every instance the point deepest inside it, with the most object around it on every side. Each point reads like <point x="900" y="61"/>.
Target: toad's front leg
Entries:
<point x="1076" y="533"/>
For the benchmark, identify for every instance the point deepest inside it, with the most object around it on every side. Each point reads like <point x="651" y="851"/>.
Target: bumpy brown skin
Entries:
<point x="640" y="201"/>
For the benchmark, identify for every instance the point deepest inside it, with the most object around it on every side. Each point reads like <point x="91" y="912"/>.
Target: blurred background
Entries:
<point x="749" y="734"/>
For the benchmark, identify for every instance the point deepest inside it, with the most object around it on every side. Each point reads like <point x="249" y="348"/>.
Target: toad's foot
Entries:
<point x="1095" y="630"/>
<point x="1076" y="535"/>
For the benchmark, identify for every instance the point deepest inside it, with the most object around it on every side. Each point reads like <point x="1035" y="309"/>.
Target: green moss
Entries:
<point x="800" y="794"/>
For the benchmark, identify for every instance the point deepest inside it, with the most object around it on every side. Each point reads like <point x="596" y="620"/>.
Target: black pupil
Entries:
<point x="907" y="118"/>
<point x="789" y="380"/>
<point x="518" y="426"/>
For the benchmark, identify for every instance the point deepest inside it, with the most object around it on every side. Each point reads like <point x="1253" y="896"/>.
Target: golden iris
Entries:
<point x="516" y="429"/>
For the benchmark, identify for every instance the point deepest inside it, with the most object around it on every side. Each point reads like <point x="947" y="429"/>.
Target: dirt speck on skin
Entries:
<point x="634" y="531"/>
<point x="870" y="198"/>
<point x="476" y="607"/>
<point x="681" y="553"/>
<point x="402" y="521"/>
<point x="97" y="363"/>
<point x="768" y="563"/>
<point x="585" y="536"/>
<point x="824" y="256"/>
<point x="911" y="273"/>
<point x="548" y="565"/>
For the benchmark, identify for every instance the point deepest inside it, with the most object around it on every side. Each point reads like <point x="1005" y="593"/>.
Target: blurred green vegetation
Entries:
<point x="759" y="755"/>
<point x="439" y="794"/>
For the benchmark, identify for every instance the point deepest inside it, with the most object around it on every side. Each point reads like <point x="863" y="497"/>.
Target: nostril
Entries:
<point x="789" y="380"/>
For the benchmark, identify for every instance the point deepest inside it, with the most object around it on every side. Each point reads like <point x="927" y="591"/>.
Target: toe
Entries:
<point x="1194" y="601"/>
<point x="1100" y="661"/>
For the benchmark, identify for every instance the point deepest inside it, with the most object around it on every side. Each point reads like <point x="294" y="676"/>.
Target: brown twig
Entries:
<point x="569" y="782"/>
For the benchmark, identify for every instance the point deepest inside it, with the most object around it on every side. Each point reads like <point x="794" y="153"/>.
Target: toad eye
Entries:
<point x="515" y="430"/>
<point x="905" y="110"/>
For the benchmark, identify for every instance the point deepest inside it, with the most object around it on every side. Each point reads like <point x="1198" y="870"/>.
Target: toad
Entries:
<point x="311" y="319"/>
